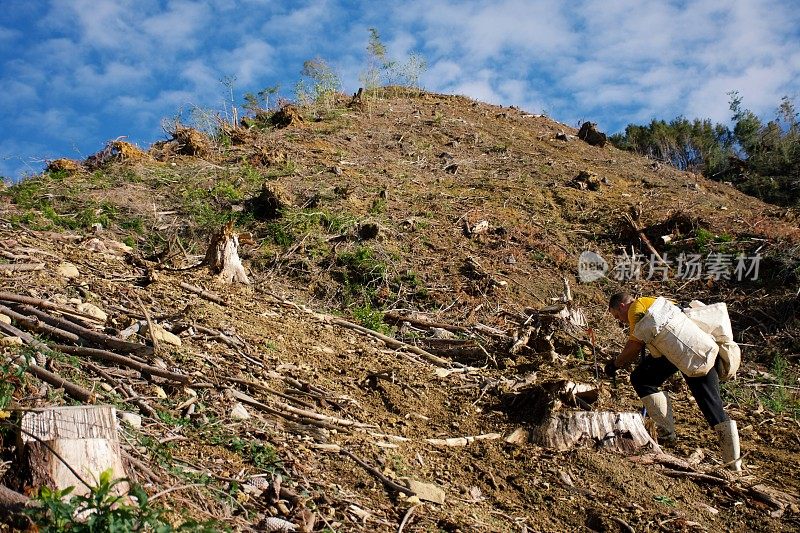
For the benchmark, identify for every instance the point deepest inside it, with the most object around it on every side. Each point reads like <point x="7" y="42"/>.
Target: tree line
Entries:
<point x="760" y="158"/>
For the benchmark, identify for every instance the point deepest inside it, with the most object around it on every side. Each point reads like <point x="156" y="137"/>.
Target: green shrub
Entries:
<point x="102" y="510"/>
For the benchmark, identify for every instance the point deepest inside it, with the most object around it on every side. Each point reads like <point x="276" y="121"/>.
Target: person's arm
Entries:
<point x="629" y="353"/>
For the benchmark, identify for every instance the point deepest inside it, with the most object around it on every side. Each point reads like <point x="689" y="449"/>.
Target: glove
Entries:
<point x="610" y="369"/>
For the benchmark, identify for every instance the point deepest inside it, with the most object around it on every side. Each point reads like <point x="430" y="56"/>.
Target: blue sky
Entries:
<point x="76" y="73"/>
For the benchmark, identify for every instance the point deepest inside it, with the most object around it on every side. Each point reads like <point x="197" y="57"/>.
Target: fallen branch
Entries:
<point x="150" y="329"/>
<point x="121" y="360"/>
<point x="11" y="501"/>
<point x="388" y="483"/>
<point x="21" y="267"/>
<point x="42" y="304"/>
<point x="292" y="417"/>
<point x="269" y="390"/>
<point x="304" y="413"/>
<point x="643" y="238"/>
<point x="415" y="319"/>
<point x="88" y="334"/>
<point x="72" y="389"/>
<point x="124" y="390"/>
<point x="39" y="326"/>
<point x="394" y="343"/>
<point x="203" y="293"/>
<point x="463" y="441"/>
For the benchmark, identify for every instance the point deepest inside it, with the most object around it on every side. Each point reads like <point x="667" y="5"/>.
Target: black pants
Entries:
<point x="648" y="376"/>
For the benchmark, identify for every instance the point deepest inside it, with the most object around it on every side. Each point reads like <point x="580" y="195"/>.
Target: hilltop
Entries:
<point x="448" y="224"/>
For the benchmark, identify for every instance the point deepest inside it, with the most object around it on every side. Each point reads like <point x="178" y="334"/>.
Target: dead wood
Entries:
<point x="21" y="267"/>
<point x="11" y="501"/>
<point x="124" y="390"/>
<point x="150" y="329"/>
<point x="394" y="343"/>
<point x="388" y="483"/>
<point x="286" y="415"/>
<point x="455" y="442"/>
<point x="63" y="445"/>
<point x="259" y="386"/>
<point x="643" y="238"/>
<point x="43" y="304"/>
<point x="86" y="334"/>
<point x="72" y="389"/>
<point x="222" y="256"/>
<point x="420" y="320"/>
<point x="608" y="430"/>
<point x="111" y="357"/>
<point x="203" y="293"/>
<point x="39" y="326"/>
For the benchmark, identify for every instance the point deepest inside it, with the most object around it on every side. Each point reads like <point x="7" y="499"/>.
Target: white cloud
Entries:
<point x="179" y="27"/>
<point x="249" y="61"/>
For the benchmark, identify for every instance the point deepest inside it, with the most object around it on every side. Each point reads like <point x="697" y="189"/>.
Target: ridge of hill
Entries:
<point x="405" y="210"/>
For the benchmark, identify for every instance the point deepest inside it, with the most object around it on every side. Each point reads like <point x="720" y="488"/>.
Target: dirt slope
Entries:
<point x="378" y="212"/>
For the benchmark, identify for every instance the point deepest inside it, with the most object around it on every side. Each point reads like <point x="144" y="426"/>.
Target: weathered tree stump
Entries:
<point x="624" y="432"/>
<point x="84" y="437"/>
<point x="222" y="256"/>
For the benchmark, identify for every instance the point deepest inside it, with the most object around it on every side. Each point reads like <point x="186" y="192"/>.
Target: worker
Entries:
<point x="652" y="372"/>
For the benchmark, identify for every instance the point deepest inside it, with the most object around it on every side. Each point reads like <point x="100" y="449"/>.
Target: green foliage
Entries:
<point x="102" y="510"/>
<point x="11" y="377"/>
<point x="383" y="70"/>
<point x="318" y="85"/>
<point x="762" y="159"/>
<point x="371" y="318"/>
<point x="361" y="269"/>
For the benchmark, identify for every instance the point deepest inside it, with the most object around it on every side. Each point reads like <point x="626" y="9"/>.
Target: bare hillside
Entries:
<point x="408" y="257"/>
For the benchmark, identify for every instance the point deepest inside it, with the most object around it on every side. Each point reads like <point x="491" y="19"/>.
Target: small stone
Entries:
<point x="93" y="311"/>
<point x="131" y="419"/>
<point x="5" y="319"/>
<point x="239" y="412"/>
<point x="10" y="341"/>
<point x="162" y="335"/>
<point x="159" y="392"/>
<point x="68" y="270"/>
<point x="425" y="491"/>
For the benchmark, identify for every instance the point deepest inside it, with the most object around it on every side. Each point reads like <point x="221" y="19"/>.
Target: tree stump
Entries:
<point x="623" y="432"/>
<point x="222" y="256"/>
<point x="84" y="437"/>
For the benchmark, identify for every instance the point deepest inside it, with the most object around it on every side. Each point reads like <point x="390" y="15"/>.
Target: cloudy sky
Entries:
<point x="76" y="73"/>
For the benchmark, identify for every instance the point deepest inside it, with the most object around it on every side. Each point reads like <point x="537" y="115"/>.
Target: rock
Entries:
<point x="162" y="335"/>
<point x="67" y="270"/>
<point x="425" y="491"/>
<point x="159" y="392"/>
<point x="518" y="436"/>
<point x="131" y="419"/>
<point x="589" y="133"/>
<point x="93" y="311"/>
<point x="5" y="319"/>
<point x="10" y="341"/>
<point x="239" y="412"/>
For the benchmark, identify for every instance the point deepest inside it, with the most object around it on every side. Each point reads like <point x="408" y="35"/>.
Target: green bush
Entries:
<point x="102" y="510"/>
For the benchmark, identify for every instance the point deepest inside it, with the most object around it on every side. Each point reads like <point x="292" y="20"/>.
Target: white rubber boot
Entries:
<point x="659" y="407"/>
<point x="729" y="442"/>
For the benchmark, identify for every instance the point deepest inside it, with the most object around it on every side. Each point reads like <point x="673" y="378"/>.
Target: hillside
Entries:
<point x="423" y="207"/>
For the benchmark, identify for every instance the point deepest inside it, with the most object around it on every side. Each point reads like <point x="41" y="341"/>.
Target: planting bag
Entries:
<point x="671" y="334"/>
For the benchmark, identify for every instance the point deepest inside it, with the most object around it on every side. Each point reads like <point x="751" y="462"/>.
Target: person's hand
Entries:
<point x="610" y="369"/>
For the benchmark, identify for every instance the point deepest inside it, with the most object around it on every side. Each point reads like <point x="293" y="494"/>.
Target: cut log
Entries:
<point x="71" y="446"/>
<point x="222" y="256"/>
<point x="11" y="501"/>
<point x="624" y="432"/>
